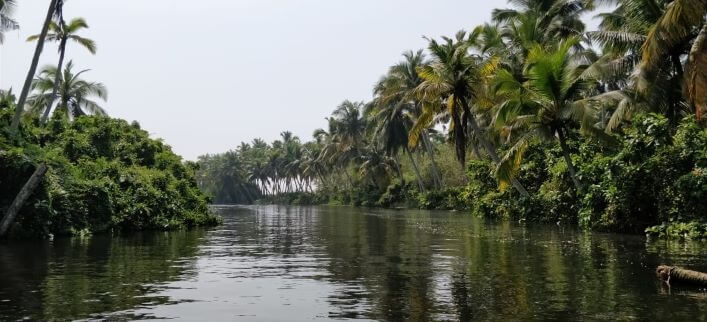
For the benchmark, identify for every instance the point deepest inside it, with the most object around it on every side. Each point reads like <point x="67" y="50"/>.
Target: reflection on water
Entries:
<point x="304" y="263"/>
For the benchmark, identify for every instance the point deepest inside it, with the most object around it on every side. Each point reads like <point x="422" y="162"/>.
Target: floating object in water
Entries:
<point x="680" y="275"/>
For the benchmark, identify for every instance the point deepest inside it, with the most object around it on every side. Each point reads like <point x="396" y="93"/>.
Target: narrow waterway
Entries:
<point x="275" y="263"/>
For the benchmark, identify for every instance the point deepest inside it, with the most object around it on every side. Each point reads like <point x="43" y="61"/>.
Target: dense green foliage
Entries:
<point x="545" y="126"/>
<point x="657" y="176"/>
<point x="104" y="175"/>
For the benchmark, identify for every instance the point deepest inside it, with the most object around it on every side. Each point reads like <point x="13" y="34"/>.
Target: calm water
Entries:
<point x="301" y="264"/>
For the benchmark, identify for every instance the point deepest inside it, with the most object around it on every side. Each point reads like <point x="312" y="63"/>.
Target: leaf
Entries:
<point x="507" y="169"/>
<point x="676" y="23"/>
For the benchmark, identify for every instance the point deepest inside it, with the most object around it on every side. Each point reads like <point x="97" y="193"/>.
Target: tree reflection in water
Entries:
<point x="85" y="277"/>
<point x="297" y="263"/>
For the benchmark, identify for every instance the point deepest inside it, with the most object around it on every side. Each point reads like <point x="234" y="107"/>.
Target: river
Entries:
<point x="276" y="263"/>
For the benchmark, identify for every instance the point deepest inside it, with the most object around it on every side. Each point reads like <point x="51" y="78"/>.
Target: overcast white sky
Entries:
<point x="205" y="75"/>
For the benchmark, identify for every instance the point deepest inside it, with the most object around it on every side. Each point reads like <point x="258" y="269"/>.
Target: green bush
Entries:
<point x="656" y="178"/>
<point x="104" y="175"/>
<point x="397" y="194"/>
<point x="679" y="230"/>
<point x="445" y="199"/>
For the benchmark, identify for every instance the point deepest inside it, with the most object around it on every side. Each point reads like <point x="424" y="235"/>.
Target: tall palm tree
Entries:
<point x="553" y="19"/>
<point x="547" y="106"/>
<point x="6" y="21"/>
<point x="75" y="94"/>
<point x="696" y="76"/>
<point x="682" y="22"/>
<point x="537" y="22"/>
<point x="392" y="124"/>
<point x="344" y="138"/>
<point x="397" y="87"/>
<point x="451" y="77"/>
<point x="351" y="125"/>
<point x="648" y="40"/>
<point x="376" y="166"/>
<point x="62" y="33"/>
<point x="33" y="66"/>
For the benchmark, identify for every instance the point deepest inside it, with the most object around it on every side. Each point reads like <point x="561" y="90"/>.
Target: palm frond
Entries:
<point x="671" y="29"/>
<point x="508" y="168"/>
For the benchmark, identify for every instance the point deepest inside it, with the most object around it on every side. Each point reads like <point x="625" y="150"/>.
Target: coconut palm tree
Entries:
<point x="547" y="106"/>
<point x="657" y="46"/>
<point x="75" y="94"/>
<point x="397" y="87"/>
<point x="351" y="125"/>
<point x="376" y="166"/>
<point x="19" y="109"/>
<point x="391" y="125"/>
<point x="451" y="78"/>
<point x="62" y="32"/>
<point x="6" y="21"/>
<point x="531" y="23"/>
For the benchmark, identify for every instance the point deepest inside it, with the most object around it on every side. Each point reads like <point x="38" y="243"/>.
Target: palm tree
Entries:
<point x="33" y="66"/>
<point x="551" y="19"/>
<point x="6" y="21"/>
<point x="391" y="129"/>
<point x="681" y="22"/>
<point x="376" y="166"/>
<point x="546" y="106"/>
<point x="531" y="23"/>
<point x="451" y="77"/>
<point x="397" y="87"/>
<point x="351" y="125"/>
<point x="74" y="93"/>
<point x="647" y="39"/>
<point x="696" y="76"/>
<point x="347" y="128"/>
<point x="313" y="165"/>
<point x="62" y="33"/>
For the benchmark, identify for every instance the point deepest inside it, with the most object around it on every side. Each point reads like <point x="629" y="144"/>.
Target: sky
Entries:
<point x="206" y="75"/>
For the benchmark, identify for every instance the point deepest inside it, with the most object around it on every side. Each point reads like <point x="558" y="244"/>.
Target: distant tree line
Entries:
<point x="539" y="113"/>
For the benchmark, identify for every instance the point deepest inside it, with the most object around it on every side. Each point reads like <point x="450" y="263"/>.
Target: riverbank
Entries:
<point x="104" y="174"/>
<point x="653" y="182"/>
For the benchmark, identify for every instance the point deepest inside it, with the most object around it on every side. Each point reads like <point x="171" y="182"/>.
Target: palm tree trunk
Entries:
<point x="32" y="69"/>
<point x="21" y="197"/>
<point x="568" y="160"/>
<point x="475" y="150"/>
<point x="400" y="171"/>
<point x="57" y="80"/>
<point x="417" y="171"/>
<point x="676" y="95"/>
<point x="321" y="179"/>
<point x="494" y="156"/>
<point x="435" y="170"/>
<point x="697" y="48"/>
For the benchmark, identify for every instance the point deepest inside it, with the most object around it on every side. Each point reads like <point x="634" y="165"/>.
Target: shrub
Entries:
<point x="104" y="175"/>
<point x="656" y="178"/>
